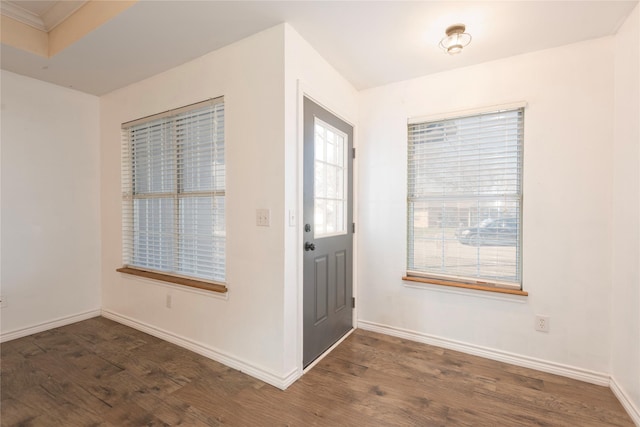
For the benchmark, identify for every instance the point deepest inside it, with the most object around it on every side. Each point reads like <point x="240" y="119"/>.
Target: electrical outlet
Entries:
<point x="169" y="301"/>
<point x="542" y="323"/>
<point x="262" y="217"/>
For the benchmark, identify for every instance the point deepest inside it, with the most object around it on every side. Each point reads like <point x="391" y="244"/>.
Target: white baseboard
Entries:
<point x="281" y="382"/>
<point x="489" y="353"/>
<point x="45" y="326"/>
<point x="626" y="402"/>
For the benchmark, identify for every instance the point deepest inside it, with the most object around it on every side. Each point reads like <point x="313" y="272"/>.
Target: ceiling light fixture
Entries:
<point x="456" y="39"/>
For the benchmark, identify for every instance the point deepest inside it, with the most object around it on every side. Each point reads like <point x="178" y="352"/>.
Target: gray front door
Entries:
<point x="328" y="230"/>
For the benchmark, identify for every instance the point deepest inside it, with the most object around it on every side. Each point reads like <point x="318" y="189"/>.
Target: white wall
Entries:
<point x="625" y="327"/>
<point x="567" y="207"/>
<point x="258" y="325"/>
<point x="50" y="204"/>
<point x="305" y="72"/>
<point x="257" y="328"/>
<point x="246" y="330"/>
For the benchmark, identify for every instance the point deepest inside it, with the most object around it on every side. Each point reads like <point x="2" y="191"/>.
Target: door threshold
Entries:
<point x="327" y="351"/>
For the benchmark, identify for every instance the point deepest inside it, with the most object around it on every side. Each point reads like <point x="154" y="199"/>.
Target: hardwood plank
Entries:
<point x="176" y="412"/>
<point x="24" y="347"/>
<point x="15" y="412"/>
<point x="129" y="414"/>
<point x="98" y="372"/>
<point x="48" y="408"/>
<point x="335" y="364"/>
<point x="91" y="364"/>
<point x="71" y="392"/>
<point x="18" y="375"/>
<point x="212" y="402"/>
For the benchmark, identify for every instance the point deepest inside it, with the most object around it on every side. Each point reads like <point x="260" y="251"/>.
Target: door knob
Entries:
<point x="309" y="246"/>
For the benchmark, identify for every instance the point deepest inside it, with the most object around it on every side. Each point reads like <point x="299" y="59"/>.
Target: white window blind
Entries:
<point x="465" y="198"/>
<point x="173" y="181"/>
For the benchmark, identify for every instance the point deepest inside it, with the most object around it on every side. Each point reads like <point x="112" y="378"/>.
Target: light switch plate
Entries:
<point x="263" y="218"/>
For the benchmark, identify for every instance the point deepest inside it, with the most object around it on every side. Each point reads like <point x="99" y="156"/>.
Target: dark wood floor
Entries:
<point x="99" y="372"/>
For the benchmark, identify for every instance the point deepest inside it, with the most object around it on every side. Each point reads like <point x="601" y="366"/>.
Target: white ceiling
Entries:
<point x="370" y="42"/>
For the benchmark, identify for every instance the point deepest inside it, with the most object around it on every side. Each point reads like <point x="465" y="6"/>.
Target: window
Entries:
<point x="330" y="181"/>
<point x="464" y="199"/>
<point x="173" y="192"/>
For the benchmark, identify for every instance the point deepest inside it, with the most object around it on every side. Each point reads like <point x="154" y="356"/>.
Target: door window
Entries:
<point x="330" y="172"/>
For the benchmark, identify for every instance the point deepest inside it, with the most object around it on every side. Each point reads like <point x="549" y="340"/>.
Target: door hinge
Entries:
<point x="353" y="302"/>
<point x="353" y="227"/>
<point x="353" y="152"/>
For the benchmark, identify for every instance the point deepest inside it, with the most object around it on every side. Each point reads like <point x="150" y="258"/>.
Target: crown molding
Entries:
<point x="54" y="16"/>
<point x="12" y="10"/>
<point x="59" y="12"/>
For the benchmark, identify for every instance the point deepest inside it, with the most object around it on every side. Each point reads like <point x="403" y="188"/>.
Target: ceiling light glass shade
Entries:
<point x="455" y="40"/>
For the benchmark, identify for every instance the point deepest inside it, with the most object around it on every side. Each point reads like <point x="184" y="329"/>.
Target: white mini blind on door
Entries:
<point x="465" y="198"/>
<point x="173" y="181"/>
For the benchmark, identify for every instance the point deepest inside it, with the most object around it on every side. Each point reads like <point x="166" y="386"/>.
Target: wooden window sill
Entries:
<point x="194" y="283"/>
<point x="476" y="287"/>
